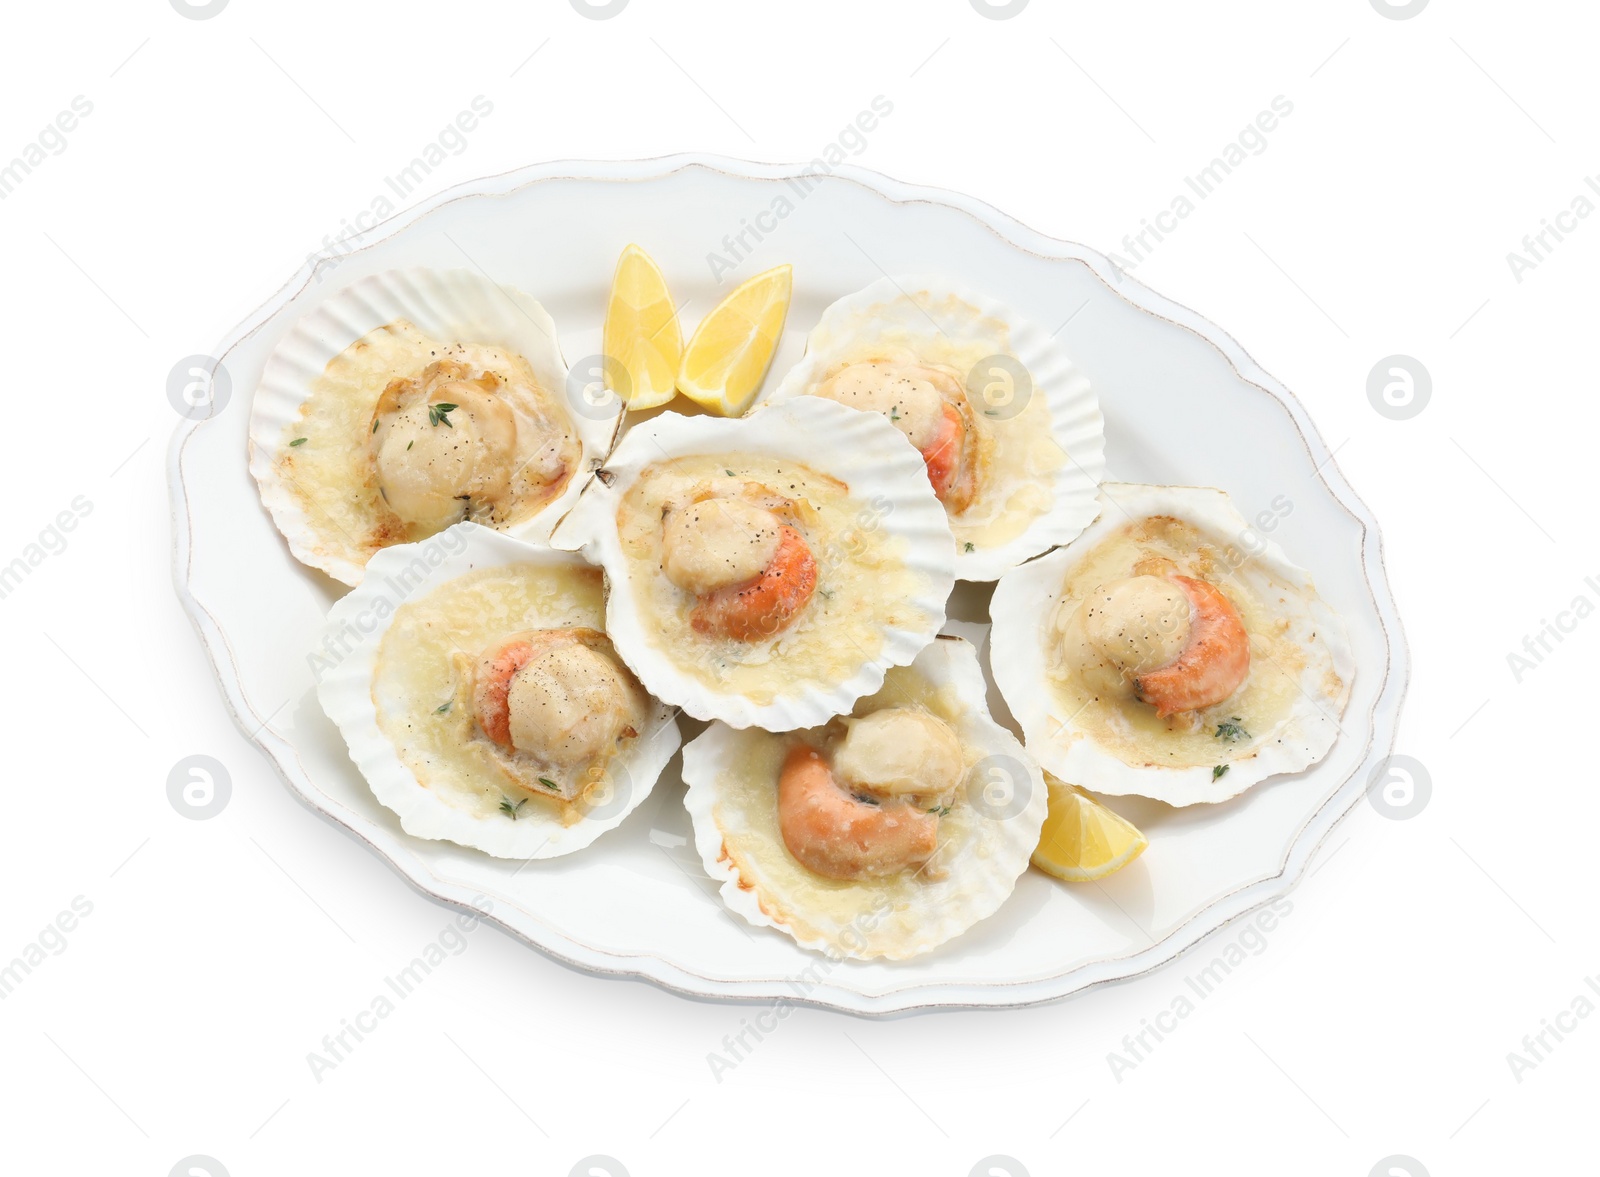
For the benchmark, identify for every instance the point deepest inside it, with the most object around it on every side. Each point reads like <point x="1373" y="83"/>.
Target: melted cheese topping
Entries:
<point x="1016" y="456"/>
<point x="899" y="751"/>
<point x="717" y="542"/>
<point x="907" y="394"/>
<point x="441" y="443"/>
<point x="864" y="585"/>
<point x="422" y="679"/>
<point x="883" y="913"/>
<point x="1089" y="682"/>
<point x="570" y="705"/>
<point x="343" y="467"/>
<point x="1125" y="629"/>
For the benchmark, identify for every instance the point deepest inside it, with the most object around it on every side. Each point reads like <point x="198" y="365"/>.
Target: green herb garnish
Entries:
<point x="1219" y="772"/>
<point x="941" y="810"/>
<point x="548" y="783"/>
<point x="509" y="809"/>
<point x="864" y="799"/>
<point x="298" y="441"/>
<point x="411" y="443"/>
<point x="894" y="412"/>
<point x="730" y="474"/>
<point x="441" y="710"/>
<point x="1232" y="731"/>
<point x="969" y="546"/>
<point x="441" y="413"/>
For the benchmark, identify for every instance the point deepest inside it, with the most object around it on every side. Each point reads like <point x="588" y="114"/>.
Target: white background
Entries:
<point x="1378" y="1020"/>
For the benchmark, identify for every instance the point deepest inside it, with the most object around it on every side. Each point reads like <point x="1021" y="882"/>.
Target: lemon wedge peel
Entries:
<point x="642" y="334"/>
<point x="728" y="356"/>
<point x="1083" y="840"/>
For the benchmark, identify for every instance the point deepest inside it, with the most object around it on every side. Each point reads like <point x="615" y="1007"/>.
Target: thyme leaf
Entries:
<point x="1232" y="731"/>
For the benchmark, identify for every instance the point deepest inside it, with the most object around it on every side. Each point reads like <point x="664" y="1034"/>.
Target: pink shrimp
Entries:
<point x="1214" y="662"/>
<point x="761" y="607"/>
<point x="834" y="834"/>
<point x="951" y="476"/>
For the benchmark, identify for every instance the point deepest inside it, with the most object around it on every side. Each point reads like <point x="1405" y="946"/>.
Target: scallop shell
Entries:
<point x="455" y="305"/>
<point x="346" y="691"/>
<point x="981" y="872"/>
<point x="1022" y="609"/>
<point x="860" y="449"/>
<point x="914" y="308"/>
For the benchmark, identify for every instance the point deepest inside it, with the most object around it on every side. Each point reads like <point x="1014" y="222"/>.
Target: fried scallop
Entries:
<point x="412" y="400"/>
<point x="479" y="694"/>
<point x="757" y="576"/>
<point x="1008" y="429"/>
<point x="1170" y="651"/>
<point x="878" y="835"/>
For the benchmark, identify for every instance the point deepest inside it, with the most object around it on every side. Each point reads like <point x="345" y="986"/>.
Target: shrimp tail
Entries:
<point x="1214" y="662"/>
<point x="836" y="835"/>
<point x="762" y="607"/>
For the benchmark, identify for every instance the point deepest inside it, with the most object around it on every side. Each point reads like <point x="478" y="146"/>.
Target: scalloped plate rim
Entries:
<point x="1204" y="924"/>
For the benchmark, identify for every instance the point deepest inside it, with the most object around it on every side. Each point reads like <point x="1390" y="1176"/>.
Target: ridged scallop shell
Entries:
<point x="950" y="314"/>
<point x="1025" y="600"/>
<point x="355" y="627"/>
<point x="979" y="876"/>
<point x="860" y="449"/>
<point x="459" y="306"/>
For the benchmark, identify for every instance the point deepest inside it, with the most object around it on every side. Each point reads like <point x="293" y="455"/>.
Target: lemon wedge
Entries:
<point x="1082" y="839"/>
<point x="732" y="348"/>
<point x="642" y="333"/>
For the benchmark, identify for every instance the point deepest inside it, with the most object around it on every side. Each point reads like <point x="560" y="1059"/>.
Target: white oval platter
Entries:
<point x="1183" y="402"/>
